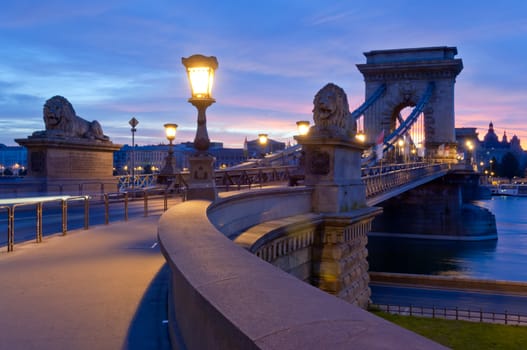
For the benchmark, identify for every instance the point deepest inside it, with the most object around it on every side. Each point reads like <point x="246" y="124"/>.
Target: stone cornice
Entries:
<point x="71" y="143"/>
<point x="422" y="70"/>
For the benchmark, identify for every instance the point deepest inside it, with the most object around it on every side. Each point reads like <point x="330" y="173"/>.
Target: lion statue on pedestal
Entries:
<point x="62" y="121"/>
<point x="331" y="113"/>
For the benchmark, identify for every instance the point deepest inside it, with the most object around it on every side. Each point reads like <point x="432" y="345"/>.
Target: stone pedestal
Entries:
<point x="67" y="164"/>
<point x="201" y="183"/>
<point x="332" y="167"/>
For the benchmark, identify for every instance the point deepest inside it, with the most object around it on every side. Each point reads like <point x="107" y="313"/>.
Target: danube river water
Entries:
<point x="501" y="259"/>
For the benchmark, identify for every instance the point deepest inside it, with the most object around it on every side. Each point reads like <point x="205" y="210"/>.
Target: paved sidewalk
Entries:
<point x="104" y="288"/>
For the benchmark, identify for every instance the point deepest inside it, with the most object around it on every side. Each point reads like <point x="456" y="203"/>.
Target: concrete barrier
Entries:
<point x="223" y="297"/>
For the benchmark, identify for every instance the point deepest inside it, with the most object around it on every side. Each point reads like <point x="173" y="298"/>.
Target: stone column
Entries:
<point x="332" y="167"/>
<point x="339" y="256"/>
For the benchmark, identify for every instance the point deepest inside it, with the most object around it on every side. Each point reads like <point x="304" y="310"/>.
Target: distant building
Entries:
<point x="256" y="150"/>
<point x="491" y="149"/>
<point x="153" y="157"/>
<point x="13" y="158"/>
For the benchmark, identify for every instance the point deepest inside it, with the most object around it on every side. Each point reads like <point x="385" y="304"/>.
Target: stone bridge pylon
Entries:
<point x="407" y="75"/>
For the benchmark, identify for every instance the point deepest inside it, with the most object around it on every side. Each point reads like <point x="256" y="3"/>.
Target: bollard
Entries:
<point x="126" y="206"/>
<point x="64" y="217"/>
<point x="39" y="223"/>
<point x="86" y="212"/>
<point x="10" y="228"/>
<point x="145" y="199"/>
<point x="106" y="209"/>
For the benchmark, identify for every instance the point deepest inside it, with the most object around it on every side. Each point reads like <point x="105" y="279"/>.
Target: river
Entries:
<point x="501" y="259"/>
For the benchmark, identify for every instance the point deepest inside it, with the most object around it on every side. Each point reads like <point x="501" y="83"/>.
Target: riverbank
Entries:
<point x="450" y="282"/>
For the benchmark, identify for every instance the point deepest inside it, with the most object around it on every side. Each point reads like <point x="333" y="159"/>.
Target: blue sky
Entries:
<point x="114" y="60"/>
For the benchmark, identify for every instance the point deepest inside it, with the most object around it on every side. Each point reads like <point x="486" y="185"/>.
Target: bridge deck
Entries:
<point x="104" y="288"/>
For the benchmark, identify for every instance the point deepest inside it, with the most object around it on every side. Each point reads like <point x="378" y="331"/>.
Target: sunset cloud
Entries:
<point x="114" y="60"/>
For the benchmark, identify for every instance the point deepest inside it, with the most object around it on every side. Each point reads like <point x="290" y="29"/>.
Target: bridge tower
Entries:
<point x="407" y="75"/>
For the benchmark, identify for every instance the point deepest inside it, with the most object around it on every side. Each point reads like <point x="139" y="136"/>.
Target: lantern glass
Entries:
<point x="262" y="138"/>
<point x="200" y="71"/>
<point x="170" y="131"/>
<point x="201" y="79"/>
<point x="303" y="127"/>
<point x="360" y="136"/>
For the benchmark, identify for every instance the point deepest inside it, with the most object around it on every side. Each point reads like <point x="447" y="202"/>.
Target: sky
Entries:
<point x="118" y="59"/>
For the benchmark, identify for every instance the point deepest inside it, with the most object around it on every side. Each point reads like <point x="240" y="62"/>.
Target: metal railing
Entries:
<point x="456" y="313"/>
<point x="380" y="180"/>
<point x="115" y="198"/>
<point x="10" y="205"/>
<point x="225" y="179"/>
<point x="246" y="178"/>
<point x="125" y="197"/>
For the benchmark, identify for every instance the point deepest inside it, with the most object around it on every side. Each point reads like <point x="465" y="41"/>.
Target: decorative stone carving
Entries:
<point x="320" y="163"/>
<point x="331" y="113"/>
<point x="62" y="122"/>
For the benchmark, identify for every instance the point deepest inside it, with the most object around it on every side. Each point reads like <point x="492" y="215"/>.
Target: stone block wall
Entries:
<point x="328" y="252"/>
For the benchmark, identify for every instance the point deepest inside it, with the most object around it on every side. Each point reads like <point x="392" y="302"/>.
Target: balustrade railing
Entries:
<point x="225" y="179"/>
<point x="382" y="179"/>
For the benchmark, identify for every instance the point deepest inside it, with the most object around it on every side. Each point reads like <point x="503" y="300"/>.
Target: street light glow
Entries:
<point x="200" y="70"/>
<point x="303" y="127"/>
<point x="170" y="131"/>
<point x="262" y="138"/>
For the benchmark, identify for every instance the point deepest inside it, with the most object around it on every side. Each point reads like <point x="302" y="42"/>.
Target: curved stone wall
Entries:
<point x="223" y="297"/>
<point x="235" y="213"/>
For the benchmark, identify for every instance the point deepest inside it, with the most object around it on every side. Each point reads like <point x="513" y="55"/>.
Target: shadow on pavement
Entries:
<point x="148" y="329"/>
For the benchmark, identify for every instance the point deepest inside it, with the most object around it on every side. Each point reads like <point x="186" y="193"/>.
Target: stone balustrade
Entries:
<point x="224" y="297"/>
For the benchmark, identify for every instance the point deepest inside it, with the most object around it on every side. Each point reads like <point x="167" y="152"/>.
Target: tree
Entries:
<point x="510" y="166"/>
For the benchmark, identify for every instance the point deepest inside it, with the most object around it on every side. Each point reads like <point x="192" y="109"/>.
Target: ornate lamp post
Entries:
<point x="133" y="123"/>
<point x="170" y="164"/>
<point x="200" y="70"/>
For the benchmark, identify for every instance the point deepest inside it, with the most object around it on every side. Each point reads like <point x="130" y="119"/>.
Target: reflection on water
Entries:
<point x="502" y="259"/>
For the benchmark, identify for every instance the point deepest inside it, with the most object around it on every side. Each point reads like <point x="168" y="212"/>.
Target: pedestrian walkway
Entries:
<point x="104" y="288"/>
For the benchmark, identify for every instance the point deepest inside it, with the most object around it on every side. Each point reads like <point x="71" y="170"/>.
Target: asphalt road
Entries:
<point x="406" y="296"/>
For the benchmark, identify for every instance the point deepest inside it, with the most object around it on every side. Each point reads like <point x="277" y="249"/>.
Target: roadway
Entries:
<point x="441" y="298"/>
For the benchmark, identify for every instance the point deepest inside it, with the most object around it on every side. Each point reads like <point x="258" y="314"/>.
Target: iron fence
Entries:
<point x="508" y="318"/>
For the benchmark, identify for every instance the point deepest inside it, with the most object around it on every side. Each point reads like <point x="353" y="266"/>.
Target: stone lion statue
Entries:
<point x="61" y="120"/>
<point x="331" y="112"/>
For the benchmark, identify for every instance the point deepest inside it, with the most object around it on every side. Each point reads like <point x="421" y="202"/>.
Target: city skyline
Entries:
<point x="122" y="59"/>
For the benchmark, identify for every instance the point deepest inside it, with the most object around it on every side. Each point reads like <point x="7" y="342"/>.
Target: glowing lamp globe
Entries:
<point x="200" y="71"/>
<point x="170" y="131"/>
<point x="303" y="127"/>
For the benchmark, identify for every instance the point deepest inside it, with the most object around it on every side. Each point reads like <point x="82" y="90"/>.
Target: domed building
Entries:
<point x="491" y="148"/>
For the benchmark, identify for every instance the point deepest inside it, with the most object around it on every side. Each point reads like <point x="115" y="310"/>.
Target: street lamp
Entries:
<point x="470" y="147"/>
<point x="133" y="123"/>
<point x="361" y="136"/>
<point x="303" y="127"/>
<point x="200" y="71"/>
<point x="170" y="132"/>
<point x="401" y="145"/>
<point x="263" y="139"/>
